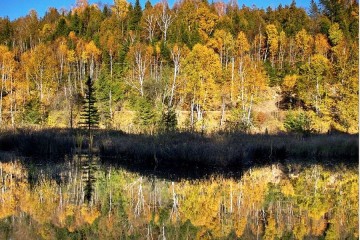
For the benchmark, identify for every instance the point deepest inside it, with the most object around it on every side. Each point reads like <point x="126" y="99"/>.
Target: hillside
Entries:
<point x="196" y="66"/>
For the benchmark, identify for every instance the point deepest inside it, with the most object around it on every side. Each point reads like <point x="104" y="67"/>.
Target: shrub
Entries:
<point x="298" y="122"/>
<point x="146" y="117"/>
<point x="168" y="122"/>
<point x="32" y="113"/>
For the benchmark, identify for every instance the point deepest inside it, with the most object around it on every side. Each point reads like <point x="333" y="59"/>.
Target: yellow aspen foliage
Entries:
<point x="289" y="82"/>
<point x="240" y="225"/>
<point x="92" y="51"/>
<point x="3" y="50"/>
<point x="62" y="214"/>
<point x="318" y="227"/>
<point x="46" y="31"/>
<point x="41" y="68"/>
<point x="271" y="229"/>
<point x="301" y="228"/>
<point x="80" y="49"/>
<point x="45" y="232"/>
<point x="206" y="20"/>
<point x="282" y="47"/>
<point x="43" y="202"/>
<point x="273" y="41"/>
<point x="287" y="188"/>
<point x="242" y="43"/>
<point x="111" y="227"/>
<point x="223" y="44"/>
<point x="322" y="45"/>
<point x="62" y="49"/>
<point x="201" y="205"/>
<point x="26" y="201"/>
<point x="202" y="72"/>
<point x="71" y="56"/>
<point x="335" y="34"/>
<point x="8" y="204"/>
<point x="72" y="36"/>
<point x="257" y="180"/>
<point x="13" y="188"/>
<point x="121" y="8"/>
<point x="304" y="44"/>
<point x="89" y="214"/>
<point x="313" y="85"/>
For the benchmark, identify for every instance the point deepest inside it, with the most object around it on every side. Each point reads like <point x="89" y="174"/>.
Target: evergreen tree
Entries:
<point x="168" y="120"/>
<point x="6" y="31"/>
<point x="75" y="24"/>
<point x="148" y="5"/>
<point x="145" y="117"/>
<point x="314" y="10"/>
<point x="106" y="12"/>
<point x="61" y="29"/>
<point x="32" y="112"/>
<point x="135" y="16"/>
<point x="108" y="92"/>
<point x="298" y="122"/>
<point x="89" y="117"/>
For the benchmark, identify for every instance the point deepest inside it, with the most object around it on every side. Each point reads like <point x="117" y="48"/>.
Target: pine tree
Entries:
<point x="89" y="117"/>
<point x="135" y="16"/>
<point x="61" y="29"/>
<point x="168" y="120"/>
<point x="148" y="5"/>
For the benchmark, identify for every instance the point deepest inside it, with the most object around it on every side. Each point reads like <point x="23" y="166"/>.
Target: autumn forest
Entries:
<point x="196" y="66"/>
<point x="197" y="120"/>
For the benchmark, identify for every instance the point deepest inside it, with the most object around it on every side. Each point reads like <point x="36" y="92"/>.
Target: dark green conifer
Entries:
<point x="135" y="16"/>
<point x="61" y="29"/>
<point x="75" y="24"/>
<point x="89" y="117"/>
<point x="168" y="122"/>
<point x="6" y="31"/>
<point x="148" y="5"/>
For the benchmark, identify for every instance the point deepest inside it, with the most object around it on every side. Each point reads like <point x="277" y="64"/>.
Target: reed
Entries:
<point x="185" y="148"/>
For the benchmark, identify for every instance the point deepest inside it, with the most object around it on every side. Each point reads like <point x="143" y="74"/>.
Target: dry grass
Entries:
<point x="186" y="149"/>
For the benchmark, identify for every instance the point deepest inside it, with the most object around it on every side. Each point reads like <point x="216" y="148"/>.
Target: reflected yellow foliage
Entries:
<point x="265" y="202"/>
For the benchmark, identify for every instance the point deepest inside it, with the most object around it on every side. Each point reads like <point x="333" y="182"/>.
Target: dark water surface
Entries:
<point x="85" y="197"/>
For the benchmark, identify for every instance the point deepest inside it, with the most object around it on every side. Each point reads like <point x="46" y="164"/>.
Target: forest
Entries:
<point x="194" y="66"/>
<point x="200" y="120"/>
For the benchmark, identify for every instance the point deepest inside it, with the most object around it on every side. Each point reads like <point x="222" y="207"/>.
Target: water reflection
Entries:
<point x="83" y="199"/>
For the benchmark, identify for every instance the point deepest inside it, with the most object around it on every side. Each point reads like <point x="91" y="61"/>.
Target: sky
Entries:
<point x="18" y="8"/>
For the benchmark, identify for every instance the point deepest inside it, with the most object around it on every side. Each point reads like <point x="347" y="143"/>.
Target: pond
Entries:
<point x="84" y="197"/>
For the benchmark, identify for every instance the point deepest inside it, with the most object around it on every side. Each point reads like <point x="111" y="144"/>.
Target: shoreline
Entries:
<point x="185" y="149"/>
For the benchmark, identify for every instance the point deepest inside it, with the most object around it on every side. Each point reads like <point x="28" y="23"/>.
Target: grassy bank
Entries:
<point x="185" y="149"/>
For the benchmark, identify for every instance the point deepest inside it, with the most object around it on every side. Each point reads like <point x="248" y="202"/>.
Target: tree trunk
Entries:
<point x="317" y="96"/>
<point x="12" y="102"/>
<point x="192" y="115"/>
<point x="232" y="80"/>
<point x="41" y="84"/>
<point x="2" y="90"/>
<point x="173" y="85"/>
<point x="249" y="111"/>
<point x="110" y="106"/>
<point x="111" y="64"/>
<point x="222" y="119"/>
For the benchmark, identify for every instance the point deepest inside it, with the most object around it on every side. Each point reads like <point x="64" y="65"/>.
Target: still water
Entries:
<point x="81" y="197"/>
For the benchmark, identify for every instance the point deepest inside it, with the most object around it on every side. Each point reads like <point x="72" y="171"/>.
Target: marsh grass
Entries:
<point x="184" y="148"/>
<point x="29" y="142"/>
<point x="229" y="150"/>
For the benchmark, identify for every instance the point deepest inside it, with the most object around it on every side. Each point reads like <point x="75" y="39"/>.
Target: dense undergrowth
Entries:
<point x="184" y="148"/>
